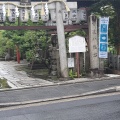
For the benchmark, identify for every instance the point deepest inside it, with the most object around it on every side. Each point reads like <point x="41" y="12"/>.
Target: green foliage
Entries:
<point x="28" y="41"/>
<point x="33" y="41"/>
<point x="77" y="32"/>
<point x="72" y="74"/>
<point x="9" y="44"/>
<point x="30" y="55"/>
<point x="3" y="44"/>
<point x="3" y="84"/>
<point x="110" y="8"/>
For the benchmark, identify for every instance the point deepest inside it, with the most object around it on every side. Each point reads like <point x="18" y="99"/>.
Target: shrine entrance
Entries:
<point x="56" y="22"/>
<point x="53" y="63"/>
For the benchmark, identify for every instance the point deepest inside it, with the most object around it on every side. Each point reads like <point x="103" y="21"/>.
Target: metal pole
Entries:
<point x="61" y="41"/>
<point x="84" y="62"/>
<point x="78" y="64"/>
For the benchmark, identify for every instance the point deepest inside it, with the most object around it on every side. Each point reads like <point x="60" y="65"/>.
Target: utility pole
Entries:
<point x="61" y="40"/>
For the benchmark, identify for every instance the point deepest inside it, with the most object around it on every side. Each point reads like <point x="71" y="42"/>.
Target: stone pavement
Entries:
<point x="19" y="79"/>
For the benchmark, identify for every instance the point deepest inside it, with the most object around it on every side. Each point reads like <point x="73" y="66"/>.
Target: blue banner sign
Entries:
<point x="104" y="28"/>
<point x="103" y="47"/>
<point x="103" y="37"/>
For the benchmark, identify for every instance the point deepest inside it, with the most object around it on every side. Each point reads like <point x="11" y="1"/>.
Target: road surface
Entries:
<point x="101" y="107"/>
<point x="40" y="93"/>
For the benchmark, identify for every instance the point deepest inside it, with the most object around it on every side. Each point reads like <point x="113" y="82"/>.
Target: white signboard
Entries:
<point x="103" y="37"/>
<point x="77" y="44"/>
<point x="71" y="62"/>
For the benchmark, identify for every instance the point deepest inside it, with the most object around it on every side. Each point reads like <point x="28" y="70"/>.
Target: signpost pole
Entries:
<point x="78" y="64"/>
<point x="84" y="62"/>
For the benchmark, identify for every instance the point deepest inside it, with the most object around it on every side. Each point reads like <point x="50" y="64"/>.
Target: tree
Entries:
<point x="110" y="8"/>
<point x="27" y="40"/>
<point x="3" y="42"/>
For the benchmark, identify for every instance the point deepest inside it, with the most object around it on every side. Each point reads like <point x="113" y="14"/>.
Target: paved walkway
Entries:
<point x="19" y="79"/>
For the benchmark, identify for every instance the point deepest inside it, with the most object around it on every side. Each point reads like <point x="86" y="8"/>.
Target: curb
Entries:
<point x="102" y="91"/>
<point x="62" y="83"/>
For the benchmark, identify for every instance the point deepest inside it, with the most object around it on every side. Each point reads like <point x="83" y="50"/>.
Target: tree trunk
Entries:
<point x="117" y="31"/>
<point x="117" y="47"/>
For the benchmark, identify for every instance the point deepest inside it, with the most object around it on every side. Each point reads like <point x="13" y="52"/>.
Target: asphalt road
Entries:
<point x="106" y="107"/>
<point x="41" y="93"/>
